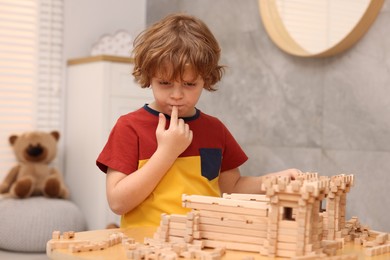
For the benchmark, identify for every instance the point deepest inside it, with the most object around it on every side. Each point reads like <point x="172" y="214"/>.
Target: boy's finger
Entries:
<point x="174" y="115"/>
<point x="161" y="122"/>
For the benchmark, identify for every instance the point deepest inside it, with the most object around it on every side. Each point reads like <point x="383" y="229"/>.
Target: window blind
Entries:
<point x="31" y="71"/>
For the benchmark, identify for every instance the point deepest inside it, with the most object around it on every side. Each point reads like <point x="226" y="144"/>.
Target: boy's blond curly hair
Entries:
<point x="169" y="46"/>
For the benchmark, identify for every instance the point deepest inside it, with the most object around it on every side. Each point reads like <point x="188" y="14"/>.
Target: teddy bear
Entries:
<point x="33" y="175"/>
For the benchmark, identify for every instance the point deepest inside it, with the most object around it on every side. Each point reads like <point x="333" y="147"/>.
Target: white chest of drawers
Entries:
<point x="99" y="89"/>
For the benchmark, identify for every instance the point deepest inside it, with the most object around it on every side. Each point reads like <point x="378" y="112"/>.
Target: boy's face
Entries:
<point x="181" y="93"/>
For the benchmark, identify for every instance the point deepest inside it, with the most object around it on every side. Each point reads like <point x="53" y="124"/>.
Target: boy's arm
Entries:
<point x="231" y="181"/>
<point x="125" y="192"/>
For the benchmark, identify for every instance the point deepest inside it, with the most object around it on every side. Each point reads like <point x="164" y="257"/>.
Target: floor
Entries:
<point x="5" y="255"/>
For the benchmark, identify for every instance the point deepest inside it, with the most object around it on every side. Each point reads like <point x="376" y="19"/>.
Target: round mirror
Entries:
<point x="317" y="28"/>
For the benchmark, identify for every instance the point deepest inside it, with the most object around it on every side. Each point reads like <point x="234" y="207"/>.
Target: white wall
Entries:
<point x="87" y="20"/>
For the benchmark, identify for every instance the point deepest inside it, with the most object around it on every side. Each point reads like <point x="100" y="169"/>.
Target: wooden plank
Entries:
<point x="287" y="203"/>
<point x="177" y="225"/>
<point x="235" y="217"/>
<point x="233" y="223"/>
<point x="285" y="253"/>
<point x="286" y="246"/>
<point x="178" y="218"/>
<point x="230" y="209"/>
<point x="177" y="232"/>
<point x="231" y="238"/>
<point x="289" y="197"/>
<point x="250" y="197"/>
<point x="224" y="202"/>
<point x="176" y="239"/>
<point x="233" y="245"/>
<point x="288" y="232"/>
<point x="233" y="230"/>
<point x="285" y="224"/>
<point x="287" y="238"/>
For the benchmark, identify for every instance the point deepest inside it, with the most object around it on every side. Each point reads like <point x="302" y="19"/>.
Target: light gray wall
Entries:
<point x="327" y="115"/>
<point x="87" y="20"/>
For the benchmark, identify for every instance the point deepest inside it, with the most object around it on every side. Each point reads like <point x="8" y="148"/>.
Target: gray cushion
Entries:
<point x="27" y="224"/>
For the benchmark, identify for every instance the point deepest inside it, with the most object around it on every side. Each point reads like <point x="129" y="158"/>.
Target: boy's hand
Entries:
<point x="289" y="173"/>
<point x="176" y="138"/>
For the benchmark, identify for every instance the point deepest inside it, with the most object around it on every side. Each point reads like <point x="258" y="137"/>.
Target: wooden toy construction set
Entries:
<point x="299" y="219"/>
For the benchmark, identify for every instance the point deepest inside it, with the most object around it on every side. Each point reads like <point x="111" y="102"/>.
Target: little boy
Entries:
<point x="168" y="147"/>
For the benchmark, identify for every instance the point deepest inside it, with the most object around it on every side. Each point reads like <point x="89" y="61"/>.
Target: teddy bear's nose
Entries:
<point x="34" y="150"/>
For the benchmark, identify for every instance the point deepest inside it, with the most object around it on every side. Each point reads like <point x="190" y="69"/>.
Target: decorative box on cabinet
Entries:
<point x="99" y="90"/>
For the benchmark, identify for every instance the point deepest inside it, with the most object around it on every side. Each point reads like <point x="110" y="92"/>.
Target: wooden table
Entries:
<point x="118" y="252"/>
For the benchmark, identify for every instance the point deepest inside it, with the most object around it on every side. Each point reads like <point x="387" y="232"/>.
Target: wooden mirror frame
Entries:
<point x="280" y="36"/>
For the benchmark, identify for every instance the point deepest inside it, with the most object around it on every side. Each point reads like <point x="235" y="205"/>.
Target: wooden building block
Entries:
<point x="226" y="216"/>
<point x="250" y="197"/>
<point x="65" y="244"/>
<point x="230" y="237"/>
<point x="285" y="253"/>
<point x="56" y="234"/>
<point x="68" y="235"/>
<point x="178" y="218"/>
<point x="177" y="225"/>
<point x="230" y="209"/>
<point x="224" y="202"/>
<point x="233" y="223"/>
<point x="233" y="230"/>
<point x="233" y="245"/>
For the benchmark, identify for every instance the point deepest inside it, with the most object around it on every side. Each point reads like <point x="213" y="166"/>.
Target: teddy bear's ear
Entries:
<point x="56" y="134"/>
<point x="12" y="139"/>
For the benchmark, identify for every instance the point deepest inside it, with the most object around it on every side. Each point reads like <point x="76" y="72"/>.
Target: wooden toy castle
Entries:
<point x="294" y="218"/>
<point x="298" y="219"/>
